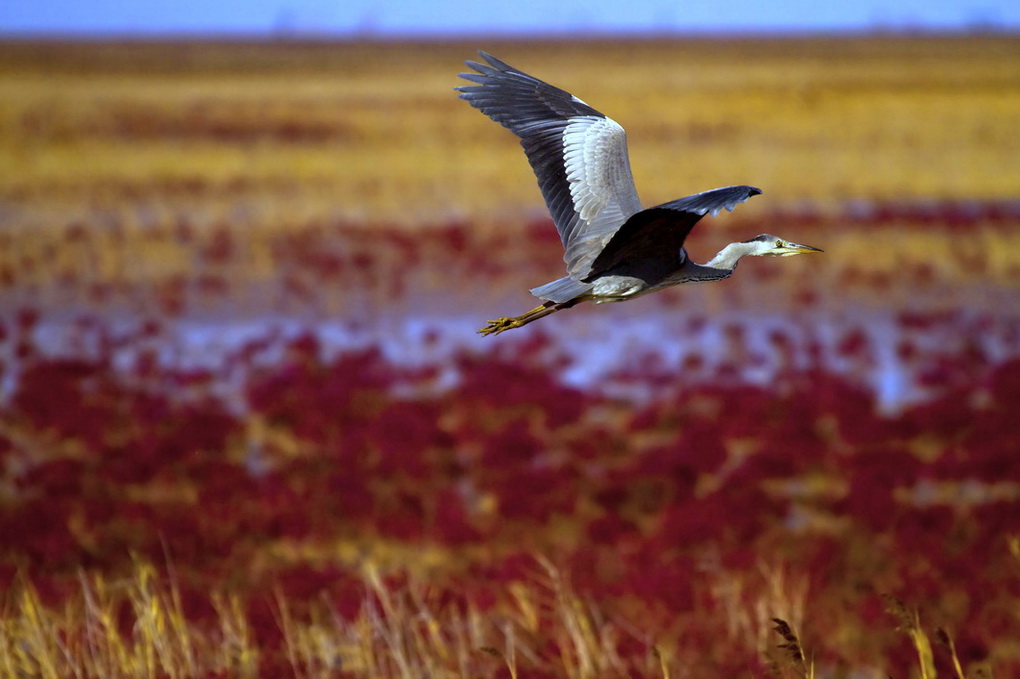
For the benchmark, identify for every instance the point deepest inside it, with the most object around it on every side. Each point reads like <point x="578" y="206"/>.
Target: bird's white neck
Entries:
<point x="729" y="256"/>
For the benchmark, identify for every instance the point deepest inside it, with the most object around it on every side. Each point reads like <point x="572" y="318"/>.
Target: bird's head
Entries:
<point x="767" y="245"/>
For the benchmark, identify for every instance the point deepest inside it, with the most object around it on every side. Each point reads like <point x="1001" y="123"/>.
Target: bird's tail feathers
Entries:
<point x="561" y="290"/>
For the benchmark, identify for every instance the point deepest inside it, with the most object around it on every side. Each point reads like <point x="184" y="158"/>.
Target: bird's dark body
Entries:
<point x="648" y="246"/>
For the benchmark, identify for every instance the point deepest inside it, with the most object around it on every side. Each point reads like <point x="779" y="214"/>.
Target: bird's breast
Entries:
<point x="616" y="288"/>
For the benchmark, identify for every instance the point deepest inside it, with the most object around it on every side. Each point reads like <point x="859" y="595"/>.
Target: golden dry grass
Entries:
<point x="130" y="628"/>
<point x="137" y="627"/>
<point x="373" y="130"/>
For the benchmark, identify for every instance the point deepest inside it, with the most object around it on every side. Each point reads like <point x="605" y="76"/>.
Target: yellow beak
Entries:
<point x="798" y="249"/>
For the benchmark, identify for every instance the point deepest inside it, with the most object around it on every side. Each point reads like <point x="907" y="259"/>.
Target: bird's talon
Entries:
<point x="499" y="325"/>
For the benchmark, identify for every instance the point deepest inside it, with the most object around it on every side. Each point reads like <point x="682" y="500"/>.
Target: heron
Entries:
<point x="614" y="250"/>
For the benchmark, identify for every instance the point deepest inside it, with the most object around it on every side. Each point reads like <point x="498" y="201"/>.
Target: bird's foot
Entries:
<point x="500" y="324"/>
<point x="503" y="323"/>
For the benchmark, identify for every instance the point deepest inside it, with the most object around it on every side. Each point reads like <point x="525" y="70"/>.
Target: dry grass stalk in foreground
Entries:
<point x="793" y="652"/>
<point x="947" y="641"/>
<point x="910" y="622"/>
<point x="134" y="628"/>
<point x="406" y="634"/>
<point x="138" y="628"/>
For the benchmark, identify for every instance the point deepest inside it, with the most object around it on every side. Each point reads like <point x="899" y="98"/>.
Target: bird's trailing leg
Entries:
<point x="500" y="324"/>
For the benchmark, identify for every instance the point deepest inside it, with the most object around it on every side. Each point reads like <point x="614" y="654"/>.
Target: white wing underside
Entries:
<point x="579" y="156"/>
<point x="601" y="186"/>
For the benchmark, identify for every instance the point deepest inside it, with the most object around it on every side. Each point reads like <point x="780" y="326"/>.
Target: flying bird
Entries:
<point x="614" y="249"/>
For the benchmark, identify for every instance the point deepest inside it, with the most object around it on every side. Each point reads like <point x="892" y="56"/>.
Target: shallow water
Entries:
<point x="634" y="354"/>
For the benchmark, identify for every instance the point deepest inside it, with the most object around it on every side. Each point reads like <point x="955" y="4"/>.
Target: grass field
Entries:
<point x="247" y="429"/>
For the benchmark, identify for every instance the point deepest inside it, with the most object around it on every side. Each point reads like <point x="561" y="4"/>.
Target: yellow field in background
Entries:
<point x="374" y="131"/>
<point x="128" y="164"/>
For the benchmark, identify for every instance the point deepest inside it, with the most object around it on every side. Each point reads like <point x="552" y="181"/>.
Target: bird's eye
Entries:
<point x="780" y="244"/>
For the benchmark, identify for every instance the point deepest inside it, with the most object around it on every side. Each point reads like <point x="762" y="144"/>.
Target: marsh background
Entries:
<point x="247" y="425"/>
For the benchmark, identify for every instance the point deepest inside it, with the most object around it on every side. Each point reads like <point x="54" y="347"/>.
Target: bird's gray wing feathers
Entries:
<point x="561" y="290"/>
<point x="711" y="202"/>
<point x="578" y="155"/>
<point x="650" y="244"/>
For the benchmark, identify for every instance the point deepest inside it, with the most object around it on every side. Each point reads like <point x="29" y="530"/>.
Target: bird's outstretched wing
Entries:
<point x="711" y="202"/>
<point x="578" y="154"/>
<point x="649" y="244"/>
